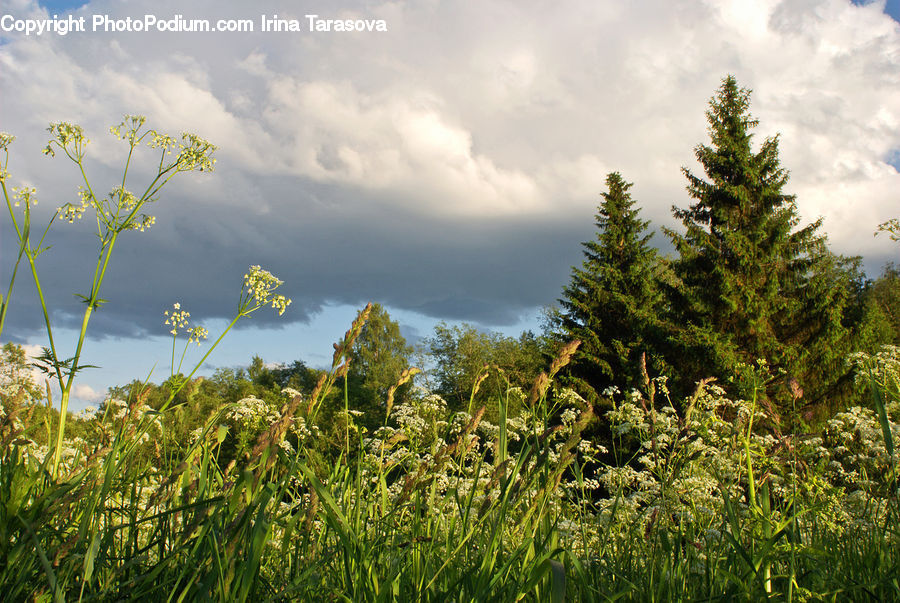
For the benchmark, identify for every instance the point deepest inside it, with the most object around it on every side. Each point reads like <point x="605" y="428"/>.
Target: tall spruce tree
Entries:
<point x="612" y="303"/>
<point x="752" y="285"/>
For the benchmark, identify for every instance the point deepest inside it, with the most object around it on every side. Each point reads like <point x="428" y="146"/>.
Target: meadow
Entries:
<point x="525" y="493"/>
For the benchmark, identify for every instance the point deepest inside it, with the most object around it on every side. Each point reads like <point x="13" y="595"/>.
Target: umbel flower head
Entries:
<point x="177" y="318"/>
<point x="259" y="286"/>
<point x="5" y="140"/>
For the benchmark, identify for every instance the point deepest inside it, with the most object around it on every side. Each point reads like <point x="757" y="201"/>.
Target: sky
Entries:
<point x="448" y="167"/>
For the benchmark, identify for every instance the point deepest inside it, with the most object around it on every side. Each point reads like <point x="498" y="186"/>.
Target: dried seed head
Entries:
<point x="344" y="347"/>
<point x="405" y="376"/>
<point x="539" y="389"/>
<point x="480" y="379"/>
<point x="565" y="355"/>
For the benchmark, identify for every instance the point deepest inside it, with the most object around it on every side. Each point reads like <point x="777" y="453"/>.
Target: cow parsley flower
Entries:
<point x="177" y="319"/>
<point x="258" y="291"/>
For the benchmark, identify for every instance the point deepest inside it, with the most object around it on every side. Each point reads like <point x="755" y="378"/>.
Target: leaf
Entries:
<point x="89" y="557"/>
<point x="878" y="399"/>
<point x="557" y="581"/>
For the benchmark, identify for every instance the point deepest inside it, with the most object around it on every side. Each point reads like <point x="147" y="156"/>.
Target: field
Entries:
<point x="283" y="490"/>
<point x="711" y="502"/>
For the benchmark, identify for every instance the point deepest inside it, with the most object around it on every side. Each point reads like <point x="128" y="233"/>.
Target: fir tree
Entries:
<point x="752" y="285"/>
<point x="612" y="303"/>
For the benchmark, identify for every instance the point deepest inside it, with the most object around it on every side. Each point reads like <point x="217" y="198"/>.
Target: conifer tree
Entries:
<point x="752" y="286"/>
<point x="612" y="303"/>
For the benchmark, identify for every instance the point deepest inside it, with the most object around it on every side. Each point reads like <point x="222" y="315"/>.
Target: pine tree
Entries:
<point x="612" y="303"/>
<point x="752" y="285"/>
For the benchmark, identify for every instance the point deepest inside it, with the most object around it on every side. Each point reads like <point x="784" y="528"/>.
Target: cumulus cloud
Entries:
<point x="452" y="165"/>
<point x="87" y="393"/>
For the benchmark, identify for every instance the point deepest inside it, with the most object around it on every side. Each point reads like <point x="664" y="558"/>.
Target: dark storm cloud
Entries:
<point x="349" y="251"/>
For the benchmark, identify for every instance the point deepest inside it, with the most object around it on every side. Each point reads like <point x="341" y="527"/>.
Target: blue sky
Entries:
<point x="448" y="168"/>
<point x="891" y="7"/>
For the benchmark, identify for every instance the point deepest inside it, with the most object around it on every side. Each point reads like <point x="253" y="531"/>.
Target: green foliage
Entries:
<point x="882" y="302"/>
<point x="378" y="359"/>
<point x="751" y="285"/>
<point x="613" y="303"/>
<point x="472" y="366"/>
<point x="706" y="505"/>
<point x="16" y="373"/>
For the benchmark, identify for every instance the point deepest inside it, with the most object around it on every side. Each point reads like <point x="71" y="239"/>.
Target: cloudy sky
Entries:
<point x="447" y="168"/>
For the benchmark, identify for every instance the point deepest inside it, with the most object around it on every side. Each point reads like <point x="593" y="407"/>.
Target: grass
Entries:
<point x="703" y="509"/>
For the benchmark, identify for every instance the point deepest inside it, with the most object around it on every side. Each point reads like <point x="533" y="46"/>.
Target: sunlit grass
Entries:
<point x="703" y="505"/>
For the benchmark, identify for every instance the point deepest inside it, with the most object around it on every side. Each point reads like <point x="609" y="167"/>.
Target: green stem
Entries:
<point x="66" y="391"/>
<point x="64" y="398"/>
<point x="46" y="313"/>
<point x="4" y="302"/>
<point x="346" y="417"/>
<point x="202" y="360"/>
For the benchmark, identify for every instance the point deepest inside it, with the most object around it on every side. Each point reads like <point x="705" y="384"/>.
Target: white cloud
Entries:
<point x="32" y="352"/>
<point x="86" y="393"/>
<point x="483" y="113"/>
<point x="468" y="127"/>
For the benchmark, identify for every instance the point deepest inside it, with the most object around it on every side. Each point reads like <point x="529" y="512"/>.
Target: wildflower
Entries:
<point x="144" y="223"/>
<point x="259" y="285"/>
<point x="5" y="141"/>
<point x="123" y="198"/>
<point x="163" y="141"/>
<point x="195" y="334"/>
<point x="25" y="195"/>
<point x="196" y="154"/>
<point x="127" y="130"/>
<point x="71" y="212"/>
<point x="178" y="319"/>
<point x="86" y="414"/>
<point x="65" y="134"/>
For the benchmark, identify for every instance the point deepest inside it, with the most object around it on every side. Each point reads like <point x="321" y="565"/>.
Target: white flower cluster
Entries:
<point x="178" y="319"/>
<point x="88" y="413"/>
<point x="260" y="284"/>
<point x="682" y="468"/>
<point x="855" y="440"/>
<point x="290" y="392"/>
<point x="252" y="412"/>
<point x="195" y="153"/>
<point x="128" y="129"/>
<point x="24" y="195"/>
<point x="119" y="414"/>
<point x="71" y="212"/>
